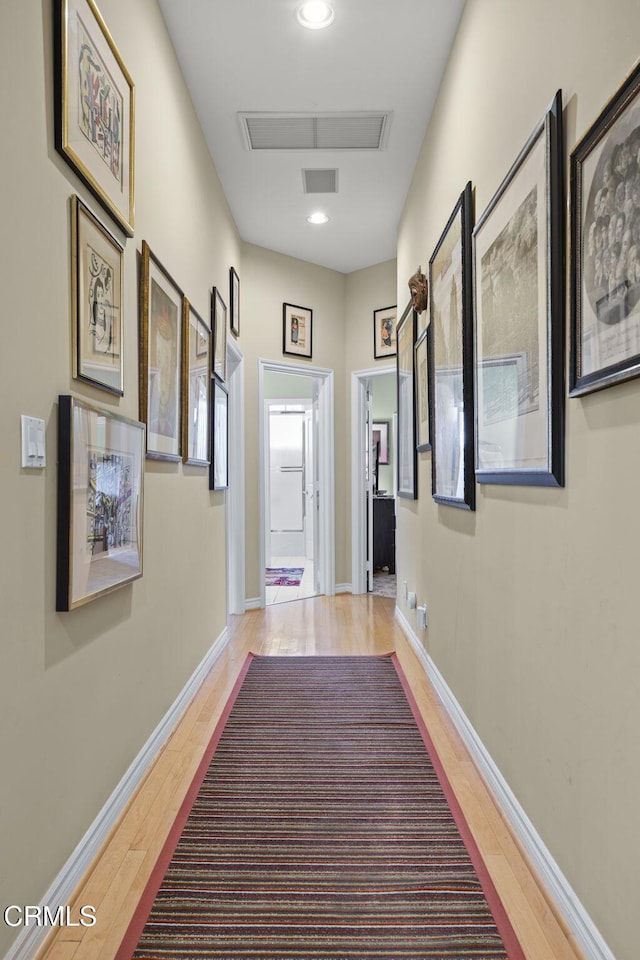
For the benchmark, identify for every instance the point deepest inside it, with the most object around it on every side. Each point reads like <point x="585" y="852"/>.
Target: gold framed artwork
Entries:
<point x="97" y="298"/>
<point x="95" y="107"/>
<point x="197" y="387"/>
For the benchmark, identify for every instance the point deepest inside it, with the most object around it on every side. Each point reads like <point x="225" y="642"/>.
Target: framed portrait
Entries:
<point x="407" y="457"/>
<point x="234" y="298"/>
<point x="100" y="493"/>
<point x="384" y="332"/>
<point x="219" y="469"/>
<point x="296" y="330"/>
<point x="380" y="436"/>
<point x="196" y="377"/>
<point x="161" y="329"/>
<point x="219" y="329"/>
<point x="95" y="114"/>
<point x="450" y="335"/>
<point x="421" y="367"/>
<point x="605" y="246"/>
<point x="97" y="285"/>
<point x="519" y="311"/>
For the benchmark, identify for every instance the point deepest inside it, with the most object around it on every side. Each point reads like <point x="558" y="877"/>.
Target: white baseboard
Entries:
<point x="343" y="588"/>
<point x="252" y="603"/>
<point x="569" y="906"/>
<point x="59" y="893"/>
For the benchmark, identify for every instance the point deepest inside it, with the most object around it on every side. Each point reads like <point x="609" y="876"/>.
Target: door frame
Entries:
<point x="235" y="497"/>
<point x="326" y="547"/>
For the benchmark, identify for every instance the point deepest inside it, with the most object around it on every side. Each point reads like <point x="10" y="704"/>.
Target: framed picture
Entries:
<point x="451" y="360"/>
<point x="196" y="376"/>
<point x="94" y="94"/>
<point x="421" y="366"/>
<point x="100" y="486"/>
<point x="96" y="297"/>
<point x="605" y="246"/>
<point x="296" y="330"/>
<point x="219" y="469"/>
<point x="161" y="328"/>
<point x="384" y="332"/>
<point x="380" y="435"/>
<point x="407" y="459"/>
<point x="219" y="328"/>
<point x="234" y="296"/>
<point x="519" y="311"/>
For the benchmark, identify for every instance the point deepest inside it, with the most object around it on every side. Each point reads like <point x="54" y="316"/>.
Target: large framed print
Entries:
<point x="519" y="317"/>
<point x="196" y="377"/>
<point x="605" y="246"/>
<point x="234" y="299"/>
<point x="297" y="330"/>
<point x="384" y="332"/>
<point x="219" y="469"/>
<point x="407" y="457"/>
<point x="97" y="296"/>
<point x="421" y="367"/>
<point x="450" y="335"/>
<point x="95" y="113"/>
<point x="380" y="436"/>
<point x="219" y="329"/>
<point x="100" y="495"/>
<point x="161" y="327"/>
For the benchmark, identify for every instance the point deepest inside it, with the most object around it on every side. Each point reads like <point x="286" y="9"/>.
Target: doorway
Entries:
<point x="235" y="517"/>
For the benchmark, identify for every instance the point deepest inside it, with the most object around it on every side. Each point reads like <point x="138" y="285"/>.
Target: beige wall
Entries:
<point x="533" y="599"/>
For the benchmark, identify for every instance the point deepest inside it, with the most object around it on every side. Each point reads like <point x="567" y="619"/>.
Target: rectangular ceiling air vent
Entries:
<point x="315" y="131"/>
<point x="320" y="181"/>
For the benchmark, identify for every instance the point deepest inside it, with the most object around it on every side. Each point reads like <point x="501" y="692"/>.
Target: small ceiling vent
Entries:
<point x="306" y="131"/>
<point x="320" y="181"/>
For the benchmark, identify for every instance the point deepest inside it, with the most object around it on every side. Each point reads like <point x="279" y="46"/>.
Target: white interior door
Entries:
<point x="369" y="483"/>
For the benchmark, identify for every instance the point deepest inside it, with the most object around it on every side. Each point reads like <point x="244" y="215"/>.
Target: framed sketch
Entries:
<point x="234" y="297"/>
<point x="95" y="115"/>
<point x="605" y="246"/>
<point x="519" y="310"/>
<point x="450" y="335"/>
<point x="100" y="493"/>
<point x="96" y="297"/>
<point x="219" y="469"/>
<point x="296" y="330"/>
<point x="384" y="332"/>
<point x="407" y="458"/>
<point x="219" y="328"/>
<point x="380" y="435"/>
<point x="421" y="367"/>
<point x="161" y="327"/>
<point x="196" y="377"/>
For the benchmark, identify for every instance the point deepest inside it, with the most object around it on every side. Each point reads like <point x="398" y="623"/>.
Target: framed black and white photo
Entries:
<point x="234" y="298"/>
<point x="519" y="317"/>
<point x="219" y="332"/>
<point x="421" y="366"/>
<point x="384" y="332"/>
<point x="196" y="378"/>
<point x="296" y="330"/>
<point x="605" y="246"/>
<point x="450" y="335"/>
<point x="100" y="493"/>
<point x="407" y="457"/>
<point x="219" y="469"/>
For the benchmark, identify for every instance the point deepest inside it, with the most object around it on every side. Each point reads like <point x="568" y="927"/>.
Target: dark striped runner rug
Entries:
<point x="321" y="826"/>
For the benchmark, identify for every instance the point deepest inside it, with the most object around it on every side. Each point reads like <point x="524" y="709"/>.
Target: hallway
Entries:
<point x="335" y="626"/>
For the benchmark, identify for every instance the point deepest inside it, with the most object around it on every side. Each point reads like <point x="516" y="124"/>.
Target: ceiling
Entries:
<point x="253" y="56"/>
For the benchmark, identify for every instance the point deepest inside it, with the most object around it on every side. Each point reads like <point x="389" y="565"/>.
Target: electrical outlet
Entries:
<point x="421" y="612"/>
<point x="411" y="601"/>
<point x="405" y="590"/>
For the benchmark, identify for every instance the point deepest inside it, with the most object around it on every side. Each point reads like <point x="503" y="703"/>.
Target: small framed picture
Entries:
<point x="296" y="330"/>
<point x="97" y="298"/>
<point x="219" y="469"/>
<point x="380" y="435"/>
<point x="100" y="487"/>
<point x="234" y="297"/>
<point x="196" y="377"/>
<point x="384" y="332"/>
<point x="407" y="457"/>
<point x="161" y="328"/>
<point x="421" y="361"/>
<point x="219" y="331"/>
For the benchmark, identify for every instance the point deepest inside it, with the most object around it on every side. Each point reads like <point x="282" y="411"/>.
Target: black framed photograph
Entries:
<point x="196" y="377"/>
<point x="219" y="333"/>
<point x="518" y="253"/>
<point x="100" y="498"/>
<point x="450" y="335"/>
<point x="407" y="456"/>
<point x="384" y="332"/>
<point x="421" y="367"/>
<point x="380" y="436"/>
<point x="605" y="246"/>
<point x="97" y="285"/>
<point x="219" y="469"/>
<point x="94" y="119"/>
<point x="234" y="298"/>
<point x="297" y="328"/>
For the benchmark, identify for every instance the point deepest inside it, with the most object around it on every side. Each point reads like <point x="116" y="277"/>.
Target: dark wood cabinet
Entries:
<point x="384" y="533"/>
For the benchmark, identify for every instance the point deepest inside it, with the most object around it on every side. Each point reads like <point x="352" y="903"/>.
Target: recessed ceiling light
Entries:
<point x="318" y="217"/>
<point x="315" y="14"/>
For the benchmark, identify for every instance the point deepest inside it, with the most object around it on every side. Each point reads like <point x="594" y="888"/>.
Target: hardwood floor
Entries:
<point x="321" y="625"/>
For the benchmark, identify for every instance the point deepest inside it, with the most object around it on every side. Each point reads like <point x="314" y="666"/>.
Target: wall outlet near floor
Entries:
<point x="405" y="590"/>
<point x="421" y="614"/>
<point x="411" y="601"/>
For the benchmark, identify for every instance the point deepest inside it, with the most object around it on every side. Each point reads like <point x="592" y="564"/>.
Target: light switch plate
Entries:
<point x="33" y="445"/>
